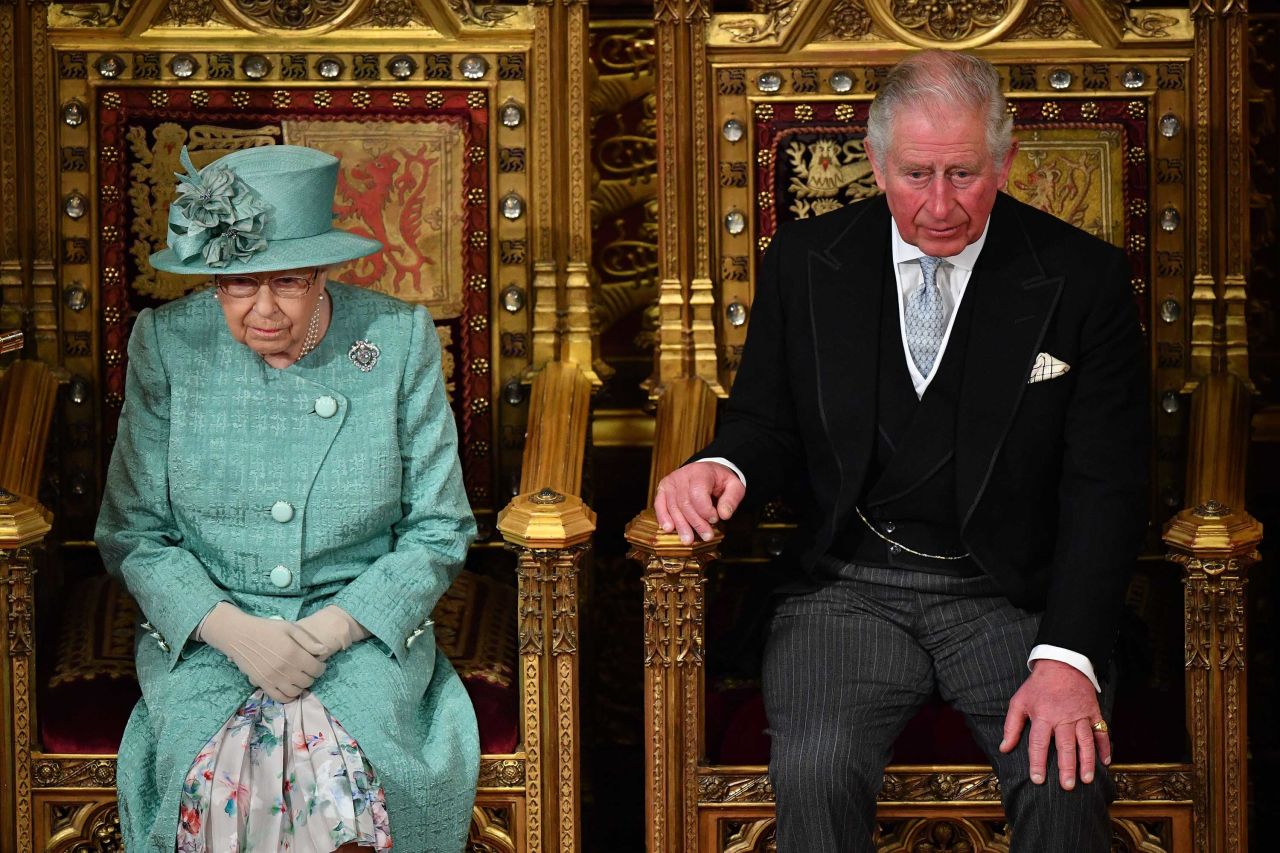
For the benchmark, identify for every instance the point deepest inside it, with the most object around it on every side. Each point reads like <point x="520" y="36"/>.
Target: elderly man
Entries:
<point x="956" y="381"/>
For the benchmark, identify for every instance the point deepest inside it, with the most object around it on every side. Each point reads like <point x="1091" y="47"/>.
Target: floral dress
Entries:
<point x="281" y="777"/>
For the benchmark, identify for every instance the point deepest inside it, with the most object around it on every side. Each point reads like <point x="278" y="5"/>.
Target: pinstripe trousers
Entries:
<point x="846" y="667"/>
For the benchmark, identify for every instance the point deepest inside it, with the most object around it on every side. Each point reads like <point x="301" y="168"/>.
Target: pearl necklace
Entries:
<point x="313" y="331"/>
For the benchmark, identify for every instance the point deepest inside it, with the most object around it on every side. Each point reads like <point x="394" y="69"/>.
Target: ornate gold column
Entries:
<point x="550" y="529"/>
<point x="686" y="302"/>
<point x="1216" y="542"/>
<point x="23" y="524"/>
<point x="673" y="629"/>
<point x="1220" y="190"/>
<point x="562" y="259"/>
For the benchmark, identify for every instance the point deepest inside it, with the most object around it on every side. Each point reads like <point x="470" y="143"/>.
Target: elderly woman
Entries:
<point x="286" y="505"/>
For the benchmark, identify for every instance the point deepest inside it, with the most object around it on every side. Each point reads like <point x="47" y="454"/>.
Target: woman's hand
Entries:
<point x="334" y="628"/>
<point x="278" y="656"/>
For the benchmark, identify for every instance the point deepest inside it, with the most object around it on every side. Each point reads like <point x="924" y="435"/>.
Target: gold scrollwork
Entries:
<point x="778" y="15"/>
<point x="943" y="835"/>
<point x="310" y="16"/>
<point x="848" y="21"/>
<point x="491" y="830"/>
<point x="951" y="23"/>
<point x="1143" y="23"/>
<point x="470" y="12"/>
<point x="1047" y="21"/>
<point x="501" y="773"/>
<point x="100" y="832"/>
<point x="189" y="13"/>
<point x="673" y="598"/>
<point x="749" y="836"/>
<point x="74" y="773"/>
<point x="107" y="14"/>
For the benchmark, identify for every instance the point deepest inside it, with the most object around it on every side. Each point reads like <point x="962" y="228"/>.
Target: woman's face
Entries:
<point x="273" y="321"/>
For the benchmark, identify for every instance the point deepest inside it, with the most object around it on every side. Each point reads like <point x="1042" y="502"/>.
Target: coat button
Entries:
<point x="282" y="511"/>
<point x="281" y="576"/>
<point x="326" y="406"/>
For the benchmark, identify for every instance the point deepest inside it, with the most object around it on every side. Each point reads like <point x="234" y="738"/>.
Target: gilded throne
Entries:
<point x="1120" y="136"/>
<point x="440" y="115"/>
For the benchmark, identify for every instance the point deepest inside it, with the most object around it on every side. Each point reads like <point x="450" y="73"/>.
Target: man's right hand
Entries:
<point x="274" y="654"/>
<point x="692" y="498"/>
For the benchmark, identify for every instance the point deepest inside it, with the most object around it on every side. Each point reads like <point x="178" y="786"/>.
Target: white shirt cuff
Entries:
<point x="720" y="460"/>
<point x="1070" y="658"/>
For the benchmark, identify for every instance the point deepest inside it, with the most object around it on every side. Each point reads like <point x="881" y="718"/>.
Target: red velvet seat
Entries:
<point x="90" y="686"/>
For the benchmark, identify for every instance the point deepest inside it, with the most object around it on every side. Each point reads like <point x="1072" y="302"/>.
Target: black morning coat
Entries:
<point x="1051" y="477"/>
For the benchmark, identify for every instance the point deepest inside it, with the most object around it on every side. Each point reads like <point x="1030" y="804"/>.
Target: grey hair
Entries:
<point x="937" y="80"/>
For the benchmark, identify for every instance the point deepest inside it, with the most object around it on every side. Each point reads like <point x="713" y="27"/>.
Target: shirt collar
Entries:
<point x="965" y="260"/>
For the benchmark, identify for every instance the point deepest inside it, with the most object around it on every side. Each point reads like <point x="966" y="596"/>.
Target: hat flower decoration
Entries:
<point x="224" y="218"/>
<point x="257" y="209"/>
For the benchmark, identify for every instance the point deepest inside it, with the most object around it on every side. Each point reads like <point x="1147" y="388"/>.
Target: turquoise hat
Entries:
<point x="258" y="210"/>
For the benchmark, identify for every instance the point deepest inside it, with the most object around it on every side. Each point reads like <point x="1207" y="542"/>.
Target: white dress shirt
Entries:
<point x="952" y="278"/>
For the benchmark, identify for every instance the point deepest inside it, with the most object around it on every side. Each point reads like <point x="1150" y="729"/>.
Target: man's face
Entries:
<point x="939" y="178"/>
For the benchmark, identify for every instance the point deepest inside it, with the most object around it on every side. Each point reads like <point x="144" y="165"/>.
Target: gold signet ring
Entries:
<point x="1101" y="726"/>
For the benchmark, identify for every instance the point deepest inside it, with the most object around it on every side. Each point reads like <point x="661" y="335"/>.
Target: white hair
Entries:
<point x="938" y="80"/>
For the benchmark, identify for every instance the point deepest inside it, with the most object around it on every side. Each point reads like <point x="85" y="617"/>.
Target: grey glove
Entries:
<point x="334" y="628"/>
<point x="275" y="655"/>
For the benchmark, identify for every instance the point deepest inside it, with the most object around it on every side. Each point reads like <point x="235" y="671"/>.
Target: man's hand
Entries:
<point x="692" y="498"/>
<point x="1061" y="704"/>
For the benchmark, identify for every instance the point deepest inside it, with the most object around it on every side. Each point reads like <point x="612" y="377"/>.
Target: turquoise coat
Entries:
<point x="214" y="448"/>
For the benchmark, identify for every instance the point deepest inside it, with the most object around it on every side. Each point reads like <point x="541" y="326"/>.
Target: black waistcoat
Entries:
<point x="910" y="491"/>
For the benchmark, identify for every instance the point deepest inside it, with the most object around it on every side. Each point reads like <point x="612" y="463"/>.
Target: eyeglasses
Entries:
<point x="284" y="286"/>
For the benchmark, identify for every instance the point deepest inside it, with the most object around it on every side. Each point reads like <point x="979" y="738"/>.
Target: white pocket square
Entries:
<point x="1047" y="367"/>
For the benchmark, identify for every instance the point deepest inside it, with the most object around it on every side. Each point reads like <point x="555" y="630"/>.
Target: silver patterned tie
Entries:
<point x="926" y="318"/>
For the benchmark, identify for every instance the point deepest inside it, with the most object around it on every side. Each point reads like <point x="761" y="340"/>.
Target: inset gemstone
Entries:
<point x="735" y="222"/>
<point x="1170" y="219"/>
<point x="110" y="65"/>
<point x="512" y="206"/>
<point x="511" y="115"/>
<point x="1170" y="125"/>
<point x="75" y="205"/>
<point x="733" y="130"/>
<point x="769" y="82"/>
<point x="401" y="67"/>
<point x="473" y="67"/>
<point x="1133" y="78"/>
<point x="77" y="298"/>
<point x="1170" y="310"/>
<point x="513" y="299"/>
<point x="1060" y="78"/>
<point x="183" y="66"/>
<point x="78" y="390"/>
<point x="256" y="66"/>
<point x="73" y="114"/>
<point x="737" y="313"/>
<point x="329" y="68"/>
<point x="841" y="81"/>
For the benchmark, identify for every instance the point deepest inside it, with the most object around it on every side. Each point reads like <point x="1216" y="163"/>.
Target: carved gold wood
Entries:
<point x="1216" y="542"/>
<point x="549" y="528"/>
